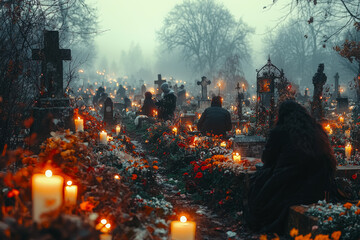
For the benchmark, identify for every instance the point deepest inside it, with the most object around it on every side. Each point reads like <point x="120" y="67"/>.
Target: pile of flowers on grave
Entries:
<point x="337" y="217"/>
<point x="294" y="233"/>
<point x="111" y="179"/>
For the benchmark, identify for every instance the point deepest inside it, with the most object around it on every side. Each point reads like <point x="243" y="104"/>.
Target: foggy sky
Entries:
<point x="136" y="21"/>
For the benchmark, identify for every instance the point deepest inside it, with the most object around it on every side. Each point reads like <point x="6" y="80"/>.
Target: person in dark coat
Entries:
<point x="215" y="119"/>
<point x="299" y="168"/>
<point x="167" y="104"/>
<point x="149" y="106"/>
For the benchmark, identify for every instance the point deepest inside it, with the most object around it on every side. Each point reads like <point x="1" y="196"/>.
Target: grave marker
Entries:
<point x="108" y="112"/>
<point x="319" y="81"/>
<point x="204" y="83"/>
<point x="158" y="82"/>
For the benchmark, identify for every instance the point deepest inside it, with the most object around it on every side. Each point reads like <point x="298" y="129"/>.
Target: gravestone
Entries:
<point x="249" y="146"/>
<point x="342" y="105"/>
<point x="319" y="81"/>
<point x="52" y="66"/>
<point x="204" y="83"/>
<point x="187" y="119"/>
<point x="108" y="112"/>
<point x="52" y="110"/>
<point x="158" y="82"/>
<point x="337" y="89"/>
<point x="240" y="99"/>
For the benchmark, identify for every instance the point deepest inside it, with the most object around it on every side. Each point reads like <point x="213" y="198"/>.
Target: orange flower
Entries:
<point x="330" y="219"/>
<point x="86" y="206"/>
<point x="322" y="237"/>
<point x="341" y="214"/>
<point x="263" y="237"/>
<point x="347" y="205"/>
<point x="358" y="204"/>
<point x="13" y="193"/>
<point x="357" y="212"/>
<point x="134" y="177"/>
<point x="155" y="167"/>
<point x="294" y="232"/>
<point x="336" y="235"/>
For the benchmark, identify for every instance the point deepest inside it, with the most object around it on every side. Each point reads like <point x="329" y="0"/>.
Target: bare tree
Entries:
<point x="206" y="33"/>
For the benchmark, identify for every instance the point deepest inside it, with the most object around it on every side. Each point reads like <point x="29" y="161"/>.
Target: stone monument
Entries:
<point x="319" y="81"/>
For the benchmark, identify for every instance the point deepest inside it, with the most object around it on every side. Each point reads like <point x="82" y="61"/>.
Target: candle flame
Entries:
<point x="103" y="131"/>
<point x="183" y="219"/>
<point x="103" y="221"/>
<point x="79" y="118"/>
<point x="48" y="173"/>
<point x="117" y="176"/>
<point x="108" y="225"/>
<point x="237" y="154"/>
<point x="69" y="183"/>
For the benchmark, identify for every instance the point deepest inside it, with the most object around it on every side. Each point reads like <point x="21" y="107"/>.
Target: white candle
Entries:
<point x="237" y="157"/>
<point x="328" y="129"/>
<point x="183" y="229"/>
<point x="105" y="236"/>
<point x="47" y="193"/>
<point x="237" y="131"/>
<point x="174" y="130"/>
<point x="348" y="149"/>
<point x="79" y="125"/>
<point x="223" y="144"/>
<point x="70" y="193"/>
<point x="103" y="137"/>
<point x="118" y="128"/>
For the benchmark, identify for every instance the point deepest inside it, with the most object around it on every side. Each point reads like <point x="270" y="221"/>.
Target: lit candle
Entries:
<point x="237" y="131"/>
<point x="79" y="125"/>
<point x="47" y="193"/>
<point x="223" y="144"/>
<point x="118" y="128"/>
<point x="341" y="119"/>
<point x="155" y="113"/>
<point x="348" y="149"/>
<point x="183" y="229"/>
<point x="190" y="128"/>
<point x="70" y="193"/>
<point x="347" y="133"/>
<point x="237" y="157"/>
<point x="174" y="130"/>
<point x="328" y="129"/>
<point x="103" y="137"/>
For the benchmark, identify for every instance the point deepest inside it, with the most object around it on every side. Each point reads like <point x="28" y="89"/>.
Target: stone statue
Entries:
<point x="319" y="81"/>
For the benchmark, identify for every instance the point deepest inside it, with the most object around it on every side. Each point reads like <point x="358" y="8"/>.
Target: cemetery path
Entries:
<point x="210" y="226"/>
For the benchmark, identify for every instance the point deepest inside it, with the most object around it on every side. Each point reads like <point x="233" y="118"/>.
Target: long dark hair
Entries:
<point x="305" y="133"/>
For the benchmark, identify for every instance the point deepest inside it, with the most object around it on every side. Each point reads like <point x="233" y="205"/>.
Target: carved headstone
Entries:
<point x="319" y="81"/>
<point x="240" y="99"/>
<point x="158" y="82"/>
<point x="204" y="83"/>
<point x="52" y="65"/>
<point x="337" y="89"/>
<point x="108" y="111"/>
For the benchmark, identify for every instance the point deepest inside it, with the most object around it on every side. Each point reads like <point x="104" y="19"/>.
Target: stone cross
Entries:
<point x="52" y="65"/>
<point x="240" y="99"/>
<point x="158" y="82"/>
<point x="319" y="81"/>
<point x="108" y="111"/>
<point x="204" y="83"/>
<point x="337" y="89"/>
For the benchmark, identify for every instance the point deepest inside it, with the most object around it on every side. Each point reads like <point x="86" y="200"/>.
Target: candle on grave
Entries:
<point x="328" y="129"/>
<point x="103" y="137"/>
<point x="104" y="228"/>
<point x="348" y="149"/>
<point x="237" y="157"/>
<point x="155" y="113"/>
<point x="347" y="133"/>
<point x="174" y="130"/>
<point x="118" y="128"/>
<point x="237" y="131"/>
<point x="47" y="193"/>
<point x="70" y="193"/>
<point x="183" y="229"/>
<point x="341" y="119"/>
<point x="223" y="144"/>
<point x="190" y="128"/>
<point x="79" y="125"/>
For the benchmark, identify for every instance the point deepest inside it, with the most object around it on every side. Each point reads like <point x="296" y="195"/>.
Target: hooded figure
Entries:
<point x="299" y="168"/>
<point x="149" y="106"/>
<point x="215" y="119"/>
<point x="167" y="104"/>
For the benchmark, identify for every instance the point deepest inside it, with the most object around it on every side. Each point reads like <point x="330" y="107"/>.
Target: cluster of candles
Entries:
<point x="104" y="137"/>
<point x="47" y="193"/>
<point x="236" y="157"/>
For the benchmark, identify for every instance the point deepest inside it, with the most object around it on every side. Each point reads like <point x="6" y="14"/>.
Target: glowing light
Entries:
<point x="108" y="225"/>
<point x="183" y="219"/>
<point x="69" y="183"/>
<point x="117" y="176"/>
<point x="48" y="173"/>
<point x="103" y="221"/>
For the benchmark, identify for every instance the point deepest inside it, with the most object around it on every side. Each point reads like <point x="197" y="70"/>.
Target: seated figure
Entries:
<point x="215" y="119"/>
<point x="299" y="168"/>
<point x="149" y="106"/>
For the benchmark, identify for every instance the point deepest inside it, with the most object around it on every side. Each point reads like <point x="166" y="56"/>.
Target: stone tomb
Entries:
<point x="342" y="105"/>
<point x="249" y="146"/>
<point x="187" y="119"/>
<point x="108" y="112"/>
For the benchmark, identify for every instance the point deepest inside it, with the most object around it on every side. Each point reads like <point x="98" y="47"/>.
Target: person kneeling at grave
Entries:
<point x="167" y="104"/>
<point x="215" y="119"/>
<point x="149" y="106"/>
<point x="299" y="168"/>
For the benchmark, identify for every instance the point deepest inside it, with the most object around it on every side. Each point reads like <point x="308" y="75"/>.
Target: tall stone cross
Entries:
<point x="337" y="89"/>
<point x="319" y="81"/>
<point x="204" y="83"/>
<point x="158" y="82"/>
<point x="52" y="65"/>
